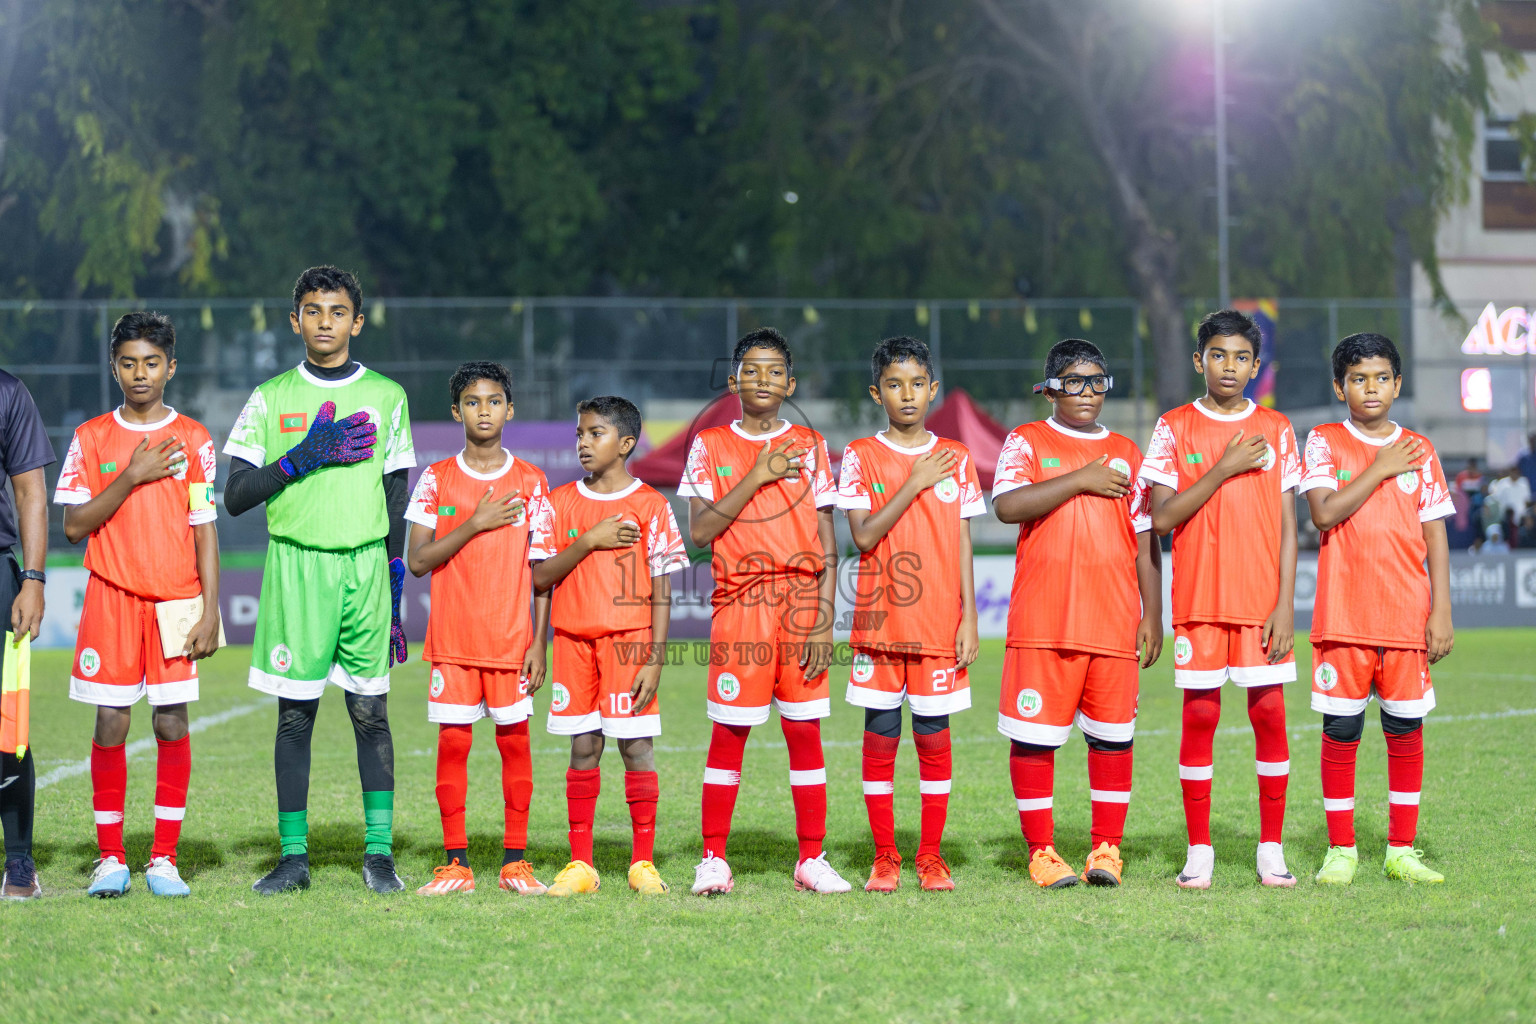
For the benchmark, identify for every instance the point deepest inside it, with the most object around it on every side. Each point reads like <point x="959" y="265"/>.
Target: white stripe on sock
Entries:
<point x="1196" y="772"/>
<point x="170" y="813"/>
<point x="874" y="787"/>
<point x="933" y="787"/>
<point x="814" y="777"/>
<point x="1110" y="796"/>
<point x="1272" y="767"/>
<point x="1346" y="804"/>
<point x="109" y="817"/>
<point x="721" y="777"/>
<point x="1041" y="803"/>
<point x="1409" y="799"/>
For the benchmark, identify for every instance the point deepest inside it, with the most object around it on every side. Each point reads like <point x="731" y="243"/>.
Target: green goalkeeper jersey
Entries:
<point x="335" y="507"/>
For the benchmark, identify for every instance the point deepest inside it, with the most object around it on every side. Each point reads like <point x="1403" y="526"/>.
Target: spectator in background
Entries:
<point x="1512" y="491"/>
<point x="1470" y="480"/>
<point x="1527" y="461"/>
<point x="1494" y="544"/>
<point x="1525" y="535"/>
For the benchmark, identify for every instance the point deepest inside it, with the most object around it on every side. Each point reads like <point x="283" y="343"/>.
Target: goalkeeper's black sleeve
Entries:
<point x="250" y="485"/>
<point x="397" y="494"/>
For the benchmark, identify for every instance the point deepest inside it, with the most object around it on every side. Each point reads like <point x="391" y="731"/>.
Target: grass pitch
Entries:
<point x="997" y="948"/>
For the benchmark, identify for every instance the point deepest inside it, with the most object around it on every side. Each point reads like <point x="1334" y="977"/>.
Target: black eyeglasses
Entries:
<point x="1100" y="382"/>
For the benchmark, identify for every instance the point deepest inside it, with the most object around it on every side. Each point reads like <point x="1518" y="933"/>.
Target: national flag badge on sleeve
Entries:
<point x="293" y="422"/>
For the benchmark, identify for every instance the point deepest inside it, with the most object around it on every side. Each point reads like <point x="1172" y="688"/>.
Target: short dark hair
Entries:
<point x="468" y="373"/>
<point x="763" y="337"/>
<point x="621" y="412"/>
<point x="1073" y="350"/>
<point x="328" y="279"/>
<point x="1228" y="323"/>
<point x="155" y="328"/>
<point x="1357" y="348"/>
<point x="900" y="350"/>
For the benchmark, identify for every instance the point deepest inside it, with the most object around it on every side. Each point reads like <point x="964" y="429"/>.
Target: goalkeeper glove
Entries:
<point x="330" y="443"/>
<point x="396" y="630"/>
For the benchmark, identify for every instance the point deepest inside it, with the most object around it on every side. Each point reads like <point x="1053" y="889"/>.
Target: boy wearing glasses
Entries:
<point x="1223" y="472"/>
<point x="1084" y="540"/>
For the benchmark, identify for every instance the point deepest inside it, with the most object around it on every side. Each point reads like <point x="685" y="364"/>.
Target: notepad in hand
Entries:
<point x="176" y="619"/>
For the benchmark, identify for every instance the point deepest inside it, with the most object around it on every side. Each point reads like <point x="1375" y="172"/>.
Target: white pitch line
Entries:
<point x="73" y="768"/>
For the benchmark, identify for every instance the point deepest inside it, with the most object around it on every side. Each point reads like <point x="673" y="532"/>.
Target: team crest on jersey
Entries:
<point x="1326" y="677"/>
<point x="373" y="415"/>
<point x="946" y="490"/>
<point x="1269" y="458"/>
<point x="863" y="668"/>
<point x="438" y="683"/>
<point x="560" y="697"/>
<point x="90" y="662"/>
<point x="1183" y="650"/>
<point x="729" y="686"/>
<point x="1029" y="703"/>
<point x="281" y="658"/>
<point x="1120" y="466"/>
<point x="1408" y="482"/>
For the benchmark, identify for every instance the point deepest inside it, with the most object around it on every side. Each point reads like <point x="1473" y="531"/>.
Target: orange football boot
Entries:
<point x="885" y="876"/>
<point x="454" y="877"/>
<point x="1104" y="866"/>
<point x="518" y="877"/>
<point x="933" y="873"/>
<point x="1049" y="871"/>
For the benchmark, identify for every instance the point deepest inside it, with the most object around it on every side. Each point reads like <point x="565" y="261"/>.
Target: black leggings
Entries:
<point x="295" y="726"/>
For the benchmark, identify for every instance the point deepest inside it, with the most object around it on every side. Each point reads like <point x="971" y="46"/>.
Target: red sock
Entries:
<point x="1339" y="790"/>
<point x="109" y="785"/>
<point x="1272" y="758"/>
<point x="173" y="773"/>
<point x="1034" y="778"/>
<point x="453" y="742"/>
<point x="1202" y="712"/>
<point x="879" y="788"/>
<point x="641" y="790"/>
<point x="722" y="780"/>
<point x="934" y="768"/>
<point x="516" y="783"/>
<point x="581" y="788"/>
<point x="1109" y="787"/>
<point x="1405" y="777"/>
<point x="807" y="783"/>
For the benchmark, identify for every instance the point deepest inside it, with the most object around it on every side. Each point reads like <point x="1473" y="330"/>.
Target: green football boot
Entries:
<point x="1339" y="866"/>
<point x="1405" y="862"/>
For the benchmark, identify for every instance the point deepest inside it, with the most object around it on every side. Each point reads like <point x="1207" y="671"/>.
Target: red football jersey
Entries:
<point x="1209" y="584"/>
<point x="608" y="591"/>
<point x="1074" y="575"/>
<point x="146" y="547"/>
<point x="907" y="588"/>
<point x="482" y="597"/>
<point x="1372" y="587"/>
<point x="775" y="534"/>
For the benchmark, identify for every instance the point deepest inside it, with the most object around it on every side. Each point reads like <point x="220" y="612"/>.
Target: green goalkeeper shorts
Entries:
<point x="324" y="617"/>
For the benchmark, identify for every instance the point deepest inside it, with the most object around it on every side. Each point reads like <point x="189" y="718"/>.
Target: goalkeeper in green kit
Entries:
<point x="326" y="446"/>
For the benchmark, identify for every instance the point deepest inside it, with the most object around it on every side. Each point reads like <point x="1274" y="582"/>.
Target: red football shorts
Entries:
<point x="1346" y="676"/>
<point x="117" y="653"/>
<point x="464" y="694"/>
<point x="756" y="643"/>
<point x="591" y="686"/>
<point x="930" y="683"/>
<point x="1044" y="692"/>
<point x="1207" y="654"/>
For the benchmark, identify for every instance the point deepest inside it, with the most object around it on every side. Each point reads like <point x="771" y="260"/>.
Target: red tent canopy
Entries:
<point x="959" y="418"/>
<point x="663" y="466"/>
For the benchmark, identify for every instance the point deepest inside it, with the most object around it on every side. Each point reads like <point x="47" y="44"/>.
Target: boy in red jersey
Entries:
<point x="1223" y="472"/>
<point x="472" y="520"/>
<point x="760" y="495"/>
<point x="1379" y="498"/>
<point x="908" y="496"/>
<point x="138" y="481"/>
<point x="1086" y="604"/>
<point x="608" y="545"/>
